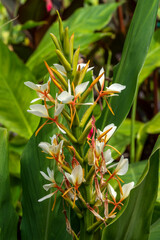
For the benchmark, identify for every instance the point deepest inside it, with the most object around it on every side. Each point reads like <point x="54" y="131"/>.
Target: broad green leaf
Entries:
<point x="39" y="222"/>
<point x="15" y="97"/>
<point x="83" y="23"/>
<point x="8" y="217"/>
<point x="152" y="60"/>
<point x="134" y="220"/>
<point x="155" y="231"/>
<point x="133" y="56"/>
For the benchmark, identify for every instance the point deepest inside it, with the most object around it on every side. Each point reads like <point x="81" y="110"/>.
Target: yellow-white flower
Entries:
<point x="54" y="148"/>
<point x="67" y="97"/>
<point x="112" y="192"/>
<point x="122" y="166"/>
<point x="115" y="88"/>
<point x="107" y="132"/>
<point x="126" y="188"/>
<point x="76" y="177"/>
<point x="50" y="178"/>
<point x="39" y="88"/>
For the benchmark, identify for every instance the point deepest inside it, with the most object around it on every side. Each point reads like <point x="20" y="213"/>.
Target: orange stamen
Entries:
<point x="53" y="77"/>
<point x="104" y="133"/>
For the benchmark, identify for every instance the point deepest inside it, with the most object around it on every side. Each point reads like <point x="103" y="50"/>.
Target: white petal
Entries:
<point x="77" y="175"/>
<point x="102" y="79"/>
<point x="58" y="109"/>
<point x="35" y="100"/>
<point x="45" y="176"/>
<point x="112" y="192"/>
<point x="107" y="156"/>
<point x="65" y="97"/>
<point x="45" y="197"/>
<point x="122" y="166"/>
<point x="116" y="87"/>
<point x="48" y="186"/>
<point x="44" y="87"/>
<point x="82" y="65"/>
<point x="69" y="177"/>
<point x="61" y="130"/>
<point x="69" y="87"/>
<point x="81" y="88"/>
<point x="60" y="69"/>
<point x="32" y="85"/>
<point x="126" y="190"/>
<point x="50" y="173"/>
<point x="52" y="139"/>
<point x="38" y="110"/>
<point x="45" y="146"/>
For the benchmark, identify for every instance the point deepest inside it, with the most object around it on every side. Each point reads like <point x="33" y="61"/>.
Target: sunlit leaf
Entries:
<point x="15" y="97"/>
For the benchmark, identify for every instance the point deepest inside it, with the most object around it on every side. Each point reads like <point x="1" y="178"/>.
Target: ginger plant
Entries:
<point x="90" y="174"/>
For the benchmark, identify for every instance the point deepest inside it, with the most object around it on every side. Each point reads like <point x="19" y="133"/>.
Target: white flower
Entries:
<point x="54" y="148"/>
<point x="101" y="80"/>
<point x="38" y="110"/>
<point x="112" y="192"/>
<point x="122" y="166"/>
<point x="126" y="190"/>
<point x="99" y="146"/>
<point x="115" y="87"/>
<point x="81" y="88"/>
<point x="107" y="156"/>
<point x="82" y="65"/>
<point x="50" y="178"/>
<point x="106" y="133"/>
<point x="39" y="88"/>
<point x="76" y="177"/>
<point x="67" y="97"/>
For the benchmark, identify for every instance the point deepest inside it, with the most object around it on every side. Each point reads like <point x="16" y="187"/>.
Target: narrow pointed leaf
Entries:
<point x="8" y="217"/>
<point x="133" y="222"/>
<point x="133" y="57"/>
<point x="39" y="222"/>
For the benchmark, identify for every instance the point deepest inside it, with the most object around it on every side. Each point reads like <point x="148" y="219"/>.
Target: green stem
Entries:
<point x="133" y="116"/>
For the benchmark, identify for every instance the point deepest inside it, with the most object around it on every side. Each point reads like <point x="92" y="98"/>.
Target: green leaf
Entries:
<point x="134" y="220"/>
<point x="15" y="97"/>
<point x="155" y="231"/>
<point x="8" y="217"/>
<point x="38" y="221"/>
<point x="81" y="25"/>
<point x="152" y="59"/>
<point x="133" y="56"/>
<point x="151" y="127"/>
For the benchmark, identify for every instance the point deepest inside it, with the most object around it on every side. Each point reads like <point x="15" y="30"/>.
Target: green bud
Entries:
<point x="85" y="133"/>
<point x="75" y="61"/>
<point x="61" y="78"/>
<point x="56" y="42"/>
<point x="66" y="42"/>
<point x="71" y="46"/>
<point x="63" y="60"/>
<point x="61" y="29"/>
<point x="86" y="115"/>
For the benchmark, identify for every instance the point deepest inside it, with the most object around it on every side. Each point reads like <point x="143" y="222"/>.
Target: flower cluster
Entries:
<point x="91" y="176"/>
